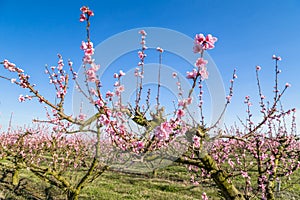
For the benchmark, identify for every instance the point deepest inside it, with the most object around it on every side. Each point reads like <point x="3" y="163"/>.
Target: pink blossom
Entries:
<point x="90" y="13"/>
<point x="180" y="113"/>
<point x="99" y="102"/>
<point x="244" y="174"/>
<point x="28" y="97"/>
<point x="81" y="116"/>
<point x="189" y="100"/>
<point x="200" y="62"/>
<point x="196" y="142"/>
<point x="10" y="66"/>
<point x="84" y="9"/>
<point x="109" y="94"/>
<point x="159" y="49"/>
<point x="143" y="32"/>
<point x="200" y="38"/>
<point x="141" y="55"/>
<point x="258" y="68"/>
<point x="13" y="80"/>
<point x="70" y="63"/>
<point x="185" y="102"/>
<point x="192" y="75"/>
<point x="117" y="83"/>
<point x="174" y="74"/>
<point x="210" y="40"/>
<point x="166" y="126"/>
<point x="119" y="90"/>
<point x="143" y="42"/>
<point x="89" y="51"/>
<point x="82" y="18"/>
<point x="197" y="48"/>
<point x="196" y="183"/>
<point x="274" y="57"/>
<point x="204" y="43"/>
<point x="231" y="163"/>
<point x="89" y="44"/>
<point x="204" y="73"/>
<point x="87" y="47"/>
<point x="62" y="78"/>
<point x="204" y="196"/>
<point x="228" y="98"/>
<point x="121" y="73"/>
<point x="163" y="131"/>
<point x="116" y="75"/>
<point x="60" y="93"/>
<point x="91" y="75"/>
<point x="83" y="45"/>
<point x="93" y="91"/>
<point x="104" y="120"/>
<point x="181" y="103"/>
<point x="140" y="145"/>
<point x="60" y="66"/>
<point x="21" y="98"/>
<point x="95" y="67"/>
<point x="287" y="85"/>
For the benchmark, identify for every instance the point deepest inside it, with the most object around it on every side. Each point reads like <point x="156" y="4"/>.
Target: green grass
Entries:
<point x="171" y="183"/>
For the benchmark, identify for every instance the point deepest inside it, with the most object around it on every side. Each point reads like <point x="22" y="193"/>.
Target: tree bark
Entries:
<point x="73" y="195"/>
<point x="228" y="190"/>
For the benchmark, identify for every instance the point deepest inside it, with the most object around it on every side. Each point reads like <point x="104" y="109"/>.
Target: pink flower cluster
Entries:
<point x="23" y="78"/>
<point x="185" y="102"/>
<point x="196" y="142"/>
<point x="204" y="43"/>
<point x="201" y="43"/>
<point x="274" y="57"/>
<point x="120" y="74"/>
<point x="141" y="54"/>
<point x="88" y="50"/>
<point x="58" y="77"/>
<point x="35" y="147"/>
<point x="201" y="64"/>
<point x="91" y="73"/>
<point x="23" y="98"/>
<point x="143" y="37"/>
<point x="11" y="67"/>
<point x="192" y="75"/>
<point x="86" y="13"/>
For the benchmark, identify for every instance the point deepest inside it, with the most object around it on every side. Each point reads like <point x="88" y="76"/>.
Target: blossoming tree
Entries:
<point x="261" y="153"/>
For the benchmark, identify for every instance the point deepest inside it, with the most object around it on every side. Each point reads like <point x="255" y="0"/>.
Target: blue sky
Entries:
<point x="249" y="33"/>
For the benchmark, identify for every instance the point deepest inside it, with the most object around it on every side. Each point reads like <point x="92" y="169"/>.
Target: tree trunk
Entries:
<point x="73" y="195"/>
<point x="228" y="190"/>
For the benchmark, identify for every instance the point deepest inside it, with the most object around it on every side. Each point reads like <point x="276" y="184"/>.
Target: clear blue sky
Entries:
<point x="249" y="33"/>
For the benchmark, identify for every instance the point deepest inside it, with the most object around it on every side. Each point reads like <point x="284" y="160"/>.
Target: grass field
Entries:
<point x="171" y="183"/>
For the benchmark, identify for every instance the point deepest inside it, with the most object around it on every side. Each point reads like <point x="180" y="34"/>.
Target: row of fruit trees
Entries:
<point x="124" y="136"/>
